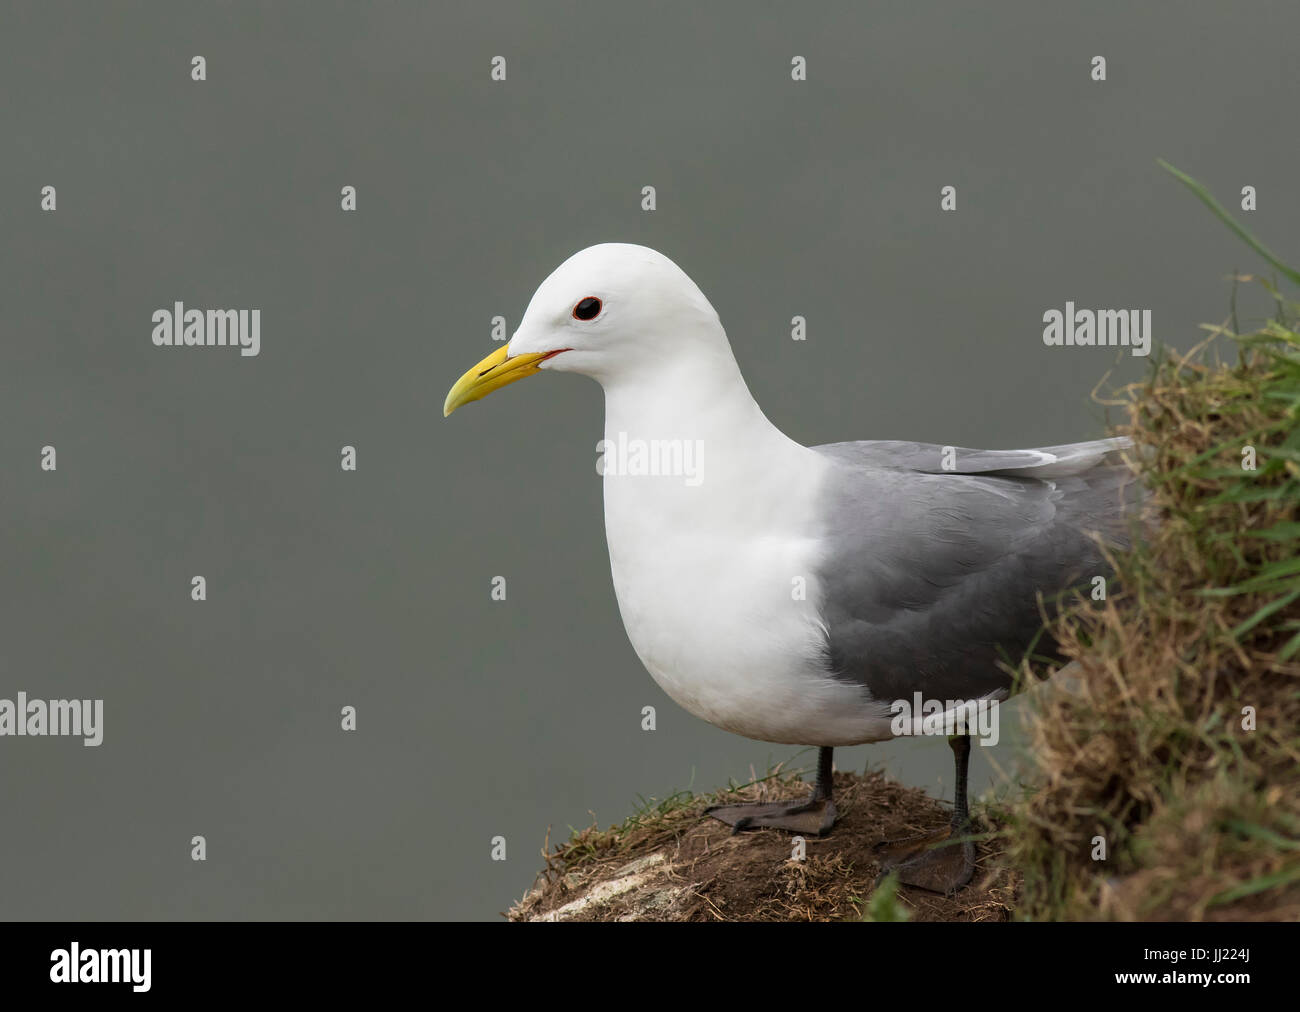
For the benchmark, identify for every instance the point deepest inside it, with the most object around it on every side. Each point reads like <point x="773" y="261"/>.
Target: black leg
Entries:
<point x="936" y="861"/>
<point x="814" y="816"/>
<point x="960" y="745"/>
<point x="825" y="774"/>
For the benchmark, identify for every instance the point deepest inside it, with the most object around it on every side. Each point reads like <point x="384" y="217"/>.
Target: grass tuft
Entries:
<point x="1169" y="784"/>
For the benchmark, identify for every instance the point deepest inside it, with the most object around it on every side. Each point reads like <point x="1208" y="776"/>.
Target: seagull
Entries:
<point x="794" y="594"/>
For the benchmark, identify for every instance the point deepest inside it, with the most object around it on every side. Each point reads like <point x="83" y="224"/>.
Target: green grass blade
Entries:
<point x="1208" y="200"/>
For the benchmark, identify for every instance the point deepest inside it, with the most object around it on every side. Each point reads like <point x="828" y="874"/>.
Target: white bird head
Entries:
<point x="610" y="311"/>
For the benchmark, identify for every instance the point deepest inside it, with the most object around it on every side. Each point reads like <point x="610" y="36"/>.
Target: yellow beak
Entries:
<point x="497" y="370"/>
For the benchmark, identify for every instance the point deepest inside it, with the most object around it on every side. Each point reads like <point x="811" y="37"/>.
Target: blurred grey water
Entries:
<point x="371" y="589"/>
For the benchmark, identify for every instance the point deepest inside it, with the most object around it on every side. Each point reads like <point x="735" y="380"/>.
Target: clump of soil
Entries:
<point x="672" y="863"/>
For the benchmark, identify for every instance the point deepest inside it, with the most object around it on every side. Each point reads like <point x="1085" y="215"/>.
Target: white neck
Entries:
<point x="698" y="397"/>
<point x="753" y="479"/>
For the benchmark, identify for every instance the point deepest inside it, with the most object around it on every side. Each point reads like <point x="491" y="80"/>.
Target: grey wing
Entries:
<point x="930" y="458"/>
<point x="931" y="575"/>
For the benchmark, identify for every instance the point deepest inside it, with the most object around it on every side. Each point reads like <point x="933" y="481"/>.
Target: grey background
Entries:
<point x="372" y="589"/>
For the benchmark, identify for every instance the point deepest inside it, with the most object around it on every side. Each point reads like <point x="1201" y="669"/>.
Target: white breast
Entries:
<point x="718" y="594"/>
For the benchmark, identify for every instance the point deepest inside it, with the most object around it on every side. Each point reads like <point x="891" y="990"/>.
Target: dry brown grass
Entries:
<point x="1155" y="755"/>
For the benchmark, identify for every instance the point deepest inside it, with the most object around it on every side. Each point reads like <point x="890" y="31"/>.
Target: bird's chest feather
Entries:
<point x="718" y="608"/>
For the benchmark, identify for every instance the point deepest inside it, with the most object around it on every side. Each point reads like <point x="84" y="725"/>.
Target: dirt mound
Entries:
<point x="671" y="863"/>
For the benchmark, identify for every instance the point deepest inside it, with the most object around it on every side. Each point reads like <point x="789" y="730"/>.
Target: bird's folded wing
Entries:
<point x="931" y="575"/>
<point x="931" y="458"/>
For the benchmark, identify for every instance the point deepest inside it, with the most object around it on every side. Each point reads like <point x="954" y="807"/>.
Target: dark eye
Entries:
<point x="587" y="309"/>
